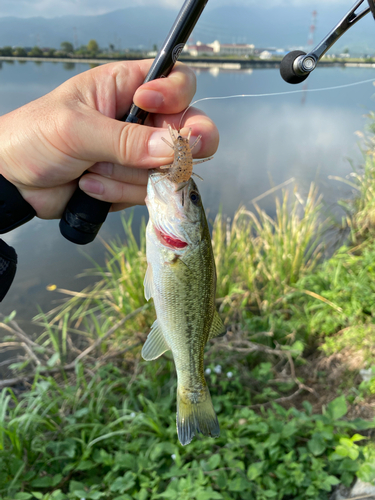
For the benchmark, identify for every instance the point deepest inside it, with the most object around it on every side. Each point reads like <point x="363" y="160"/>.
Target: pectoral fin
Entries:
<point x="148" y="283"/>
<point x="217" y="327"/>
<point x="155" y="344"/>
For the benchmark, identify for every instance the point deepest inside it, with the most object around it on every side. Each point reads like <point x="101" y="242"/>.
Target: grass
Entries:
<point x="108" y="436"/>
<point x="119" y="289"/>
<point x="259" y="257"/>
<point x="87" y="418"/>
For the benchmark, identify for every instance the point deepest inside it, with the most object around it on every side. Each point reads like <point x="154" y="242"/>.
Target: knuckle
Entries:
<point x="67" y="125"/>
<point x="117" y="193"/>
<point x="122" y="145"/>
<point x="130" y="145"/>
<point x="187" y="77"/>
<point x="136" y="176"/>
<point x="124" y="193"/>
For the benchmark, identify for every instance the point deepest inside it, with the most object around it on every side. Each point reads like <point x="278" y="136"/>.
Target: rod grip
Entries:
<point x="83" y="217"/>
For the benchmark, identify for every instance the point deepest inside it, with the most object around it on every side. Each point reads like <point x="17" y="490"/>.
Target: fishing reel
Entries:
<point x="297" y="65"/>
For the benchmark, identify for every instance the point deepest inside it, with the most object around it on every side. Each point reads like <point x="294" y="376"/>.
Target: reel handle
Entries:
<point x="297" y="65"/>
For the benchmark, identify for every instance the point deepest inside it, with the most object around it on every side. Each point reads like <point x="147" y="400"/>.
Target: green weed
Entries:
<point x="108" y="436"/>
<point x="259" y="258"/>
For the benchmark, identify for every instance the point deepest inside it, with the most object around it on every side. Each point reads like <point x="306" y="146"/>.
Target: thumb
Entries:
<point x="98" y="138"/>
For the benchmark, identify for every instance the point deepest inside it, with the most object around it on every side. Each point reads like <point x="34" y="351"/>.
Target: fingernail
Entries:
<point x="91" y="186"/>
<point x="197" y="147"/>
<point x="103" y="168"/>
<point x="156" y="147"/>
<point x="151" y="99"/>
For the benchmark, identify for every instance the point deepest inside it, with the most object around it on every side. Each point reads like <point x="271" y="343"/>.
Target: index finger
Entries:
<point x="168" y="95"/>
<point x="113" y="87"/>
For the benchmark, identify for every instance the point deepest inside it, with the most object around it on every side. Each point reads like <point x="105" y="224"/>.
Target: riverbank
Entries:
<point x="221" y="62"/>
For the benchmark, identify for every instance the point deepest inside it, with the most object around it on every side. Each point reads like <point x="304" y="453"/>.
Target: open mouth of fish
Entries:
<point x="170" y="241"/>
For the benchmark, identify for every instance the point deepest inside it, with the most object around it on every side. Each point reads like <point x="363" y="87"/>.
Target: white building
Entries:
<point x="198" y="49"/>
<point x="218" y="48"/>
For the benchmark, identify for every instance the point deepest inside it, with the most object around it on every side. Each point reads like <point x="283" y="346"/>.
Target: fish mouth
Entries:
<point x="170" y="241"/>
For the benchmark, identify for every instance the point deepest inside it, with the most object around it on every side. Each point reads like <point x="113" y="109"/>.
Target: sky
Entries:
<point x="53" y="8"/>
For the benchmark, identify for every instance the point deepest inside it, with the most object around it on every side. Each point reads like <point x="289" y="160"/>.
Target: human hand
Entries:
<point x="48" y="144"/>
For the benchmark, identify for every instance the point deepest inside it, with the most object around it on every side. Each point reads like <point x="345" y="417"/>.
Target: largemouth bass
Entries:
<point x="181" y="278"/>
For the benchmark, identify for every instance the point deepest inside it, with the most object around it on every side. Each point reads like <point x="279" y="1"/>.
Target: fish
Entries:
<point x="181" y="279"/>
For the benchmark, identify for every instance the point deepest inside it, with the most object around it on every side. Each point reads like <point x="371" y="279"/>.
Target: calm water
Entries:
<point x="264" y="141"/>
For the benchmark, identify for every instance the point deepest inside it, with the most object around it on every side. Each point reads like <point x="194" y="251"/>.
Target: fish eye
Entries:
<point x="195" y="197"/>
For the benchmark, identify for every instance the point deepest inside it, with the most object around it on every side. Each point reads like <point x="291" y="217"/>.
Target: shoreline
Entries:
<point x="231" y="64"/>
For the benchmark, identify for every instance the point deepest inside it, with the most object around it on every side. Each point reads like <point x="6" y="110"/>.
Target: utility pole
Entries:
<point x="310" y="39"/>
<point x="310" y="46"/>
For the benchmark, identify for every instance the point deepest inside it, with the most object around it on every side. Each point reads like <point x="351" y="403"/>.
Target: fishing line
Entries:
<point x="299" y="91"/>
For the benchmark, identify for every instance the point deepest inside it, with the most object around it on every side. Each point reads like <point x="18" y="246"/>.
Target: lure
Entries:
<point x="181" y="169"/>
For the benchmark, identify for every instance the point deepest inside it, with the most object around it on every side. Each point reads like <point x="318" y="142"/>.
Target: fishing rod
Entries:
<point x="297" y="65"/>
<point x="84" y="215"/>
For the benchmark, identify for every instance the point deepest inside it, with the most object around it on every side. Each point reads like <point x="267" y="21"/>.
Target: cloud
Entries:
<point x="308" y="3"/>
<point x="287" y="3"/>
<point x="54" y="8"/>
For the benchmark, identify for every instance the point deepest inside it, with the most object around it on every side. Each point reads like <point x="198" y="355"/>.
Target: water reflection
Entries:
<point x="214" y="71"/>
<point x="264" y="142"/>
<point x="69" y="66"/>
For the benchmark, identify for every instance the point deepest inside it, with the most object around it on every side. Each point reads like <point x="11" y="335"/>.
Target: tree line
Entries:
<point x="66" y="49"/>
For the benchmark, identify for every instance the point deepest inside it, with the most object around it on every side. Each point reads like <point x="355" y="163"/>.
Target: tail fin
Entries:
<point x="195" y="416"/>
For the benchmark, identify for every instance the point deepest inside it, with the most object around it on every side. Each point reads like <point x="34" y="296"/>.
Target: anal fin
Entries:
<point x="155" y="344"/>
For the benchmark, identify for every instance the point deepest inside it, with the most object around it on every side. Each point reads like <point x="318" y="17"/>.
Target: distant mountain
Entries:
<point x="133" y="27"/>
<point x="142" y="27"/>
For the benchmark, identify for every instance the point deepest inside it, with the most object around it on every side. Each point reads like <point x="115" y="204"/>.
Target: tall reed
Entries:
<point x="117" y="292"/>
<point x="260" y="257"/>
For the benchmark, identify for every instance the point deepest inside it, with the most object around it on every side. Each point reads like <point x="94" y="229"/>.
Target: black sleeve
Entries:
<point x="14" y="211"/>
<point x="8" y="266"/>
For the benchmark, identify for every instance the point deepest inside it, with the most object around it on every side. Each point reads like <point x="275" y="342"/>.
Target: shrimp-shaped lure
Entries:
<point x="182" y="167"/>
